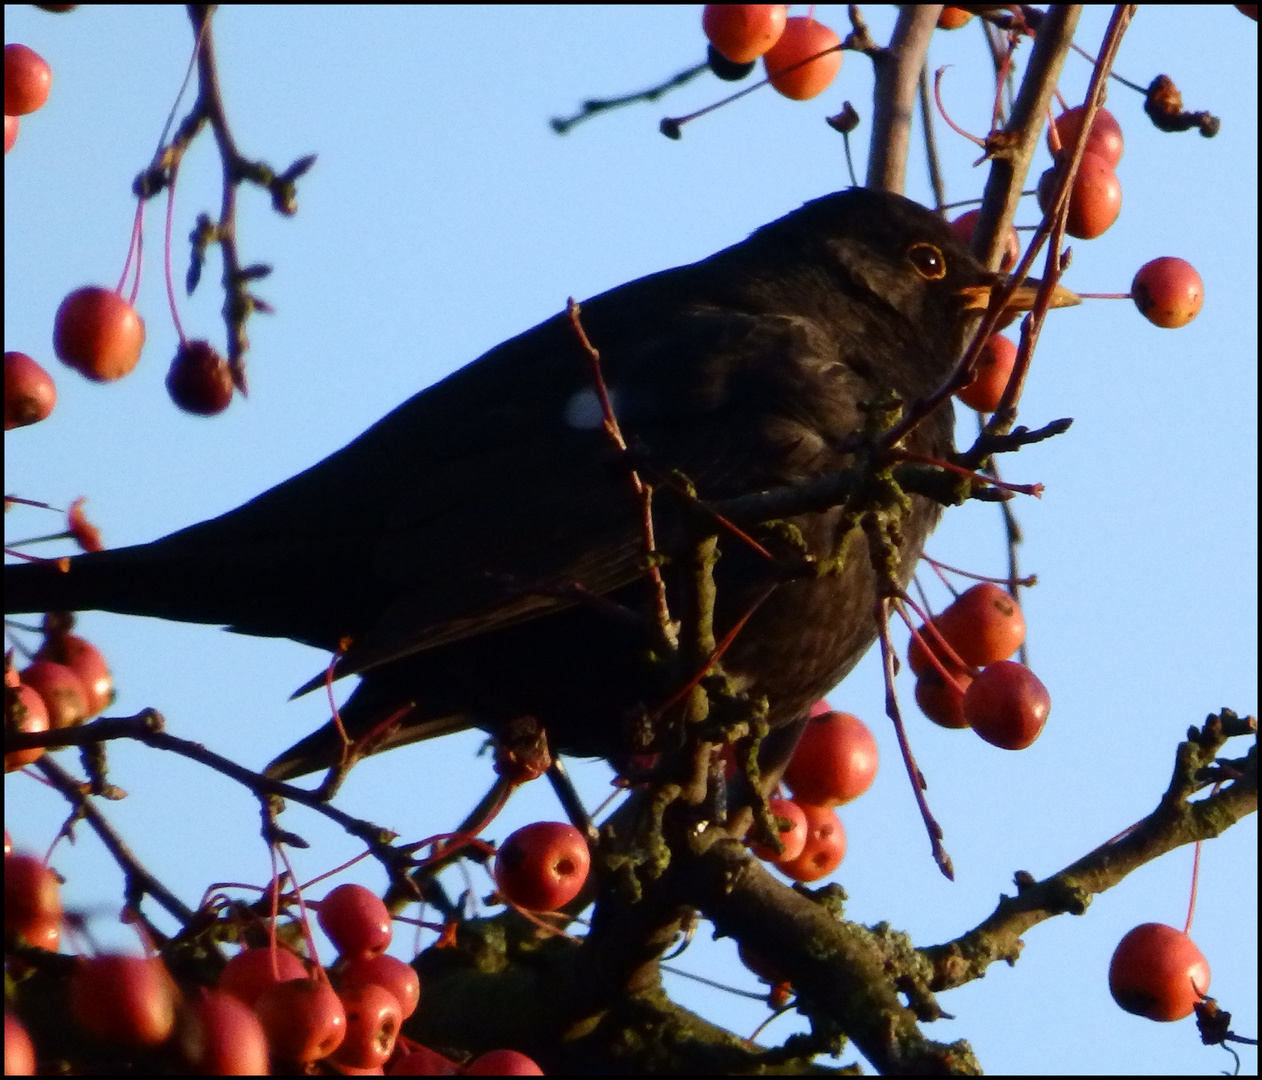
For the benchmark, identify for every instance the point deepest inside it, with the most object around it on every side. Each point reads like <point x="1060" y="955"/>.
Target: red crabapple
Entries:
<point x="803" y="38"/>
<point x="98" y="333"/>
<point x="1168" y="292"/>
<point x="1158" y="972"/>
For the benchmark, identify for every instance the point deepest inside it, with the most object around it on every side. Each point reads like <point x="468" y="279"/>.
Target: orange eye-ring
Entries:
<point x="928" y="261"/>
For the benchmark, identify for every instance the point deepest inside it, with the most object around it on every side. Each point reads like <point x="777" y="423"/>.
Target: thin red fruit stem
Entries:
<point x="1196" y="877"/>
<point x="679" y="121"/>
<point x="135" y="244"/>
<point x="166" y="255"/>
<point x="303" y="917"/>
<point x="937" y="98"/>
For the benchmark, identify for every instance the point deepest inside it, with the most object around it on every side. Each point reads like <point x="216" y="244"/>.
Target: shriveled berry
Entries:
<point x="1007" y="705"/>
<point x="725" y="69"/>
<point x="29" y="392"/>
<point x="1168" y="292"/>
<point x="199" y="380"/>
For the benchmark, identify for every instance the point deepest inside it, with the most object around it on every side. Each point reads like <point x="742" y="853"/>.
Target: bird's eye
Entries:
<point x="928" y="261"/>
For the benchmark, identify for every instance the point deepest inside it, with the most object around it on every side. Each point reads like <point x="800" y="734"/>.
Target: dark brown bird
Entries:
<point x="444" y="542"/>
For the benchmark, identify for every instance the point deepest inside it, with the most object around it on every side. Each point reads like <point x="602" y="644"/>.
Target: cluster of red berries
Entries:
<point x="269" y="1007"/>
<point x="834" y="763"/>
<point x="964" y="676"/>
<point x="66" y="683"/>
<point x="801" y="56"/>
<point x="96" y="332"/>
<point x="1167" y="291"/>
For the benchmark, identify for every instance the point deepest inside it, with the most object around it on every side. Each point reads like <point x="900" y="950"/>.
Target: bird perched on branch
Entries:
<point x="480" y="555"/>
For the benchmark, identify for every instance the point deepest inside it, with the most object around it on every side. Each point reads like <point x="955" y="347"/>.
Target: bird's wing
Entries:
<point x="477" y="502"/>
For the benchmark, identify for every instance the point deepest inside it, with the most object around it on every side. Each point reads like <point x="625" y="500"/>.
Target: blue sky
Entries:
<point x="443" y="216"/>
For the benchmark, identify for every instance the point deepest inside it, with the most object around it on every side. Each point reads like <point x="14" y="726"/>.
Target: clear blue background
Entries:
<point x="444" y="216"/>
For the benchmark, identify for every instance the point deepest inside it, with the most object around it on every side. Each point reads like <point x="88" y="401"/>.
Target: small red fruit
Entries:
<point x="356" y="921"/>
<point x="1007" y="705"/>
<point x="803" y="38"/>
<point x="123" y="999"/>
<point x="199" y="380"/>
<point x="32" y="898"/>
<point x="303" y="1018"/>
<point x="502" y="1063"/>
<point x="964" y="225"/>
<point x="793" y="838"/>
<point x="1158" y="972"/>
<point x="27" y="80"/>
<point x="983" y="624"/>
<point x="246" y="975"/>
<point x="219" y="1035"/>
<point x="952" y="18"/>
<point x="990" y="377"/>
<point x="835" y="760"/>
<point x="1168" y="292"/>
<point x="373" y="1019"/>
<point x="942" y="701"/>
<point x="98" y="333"/>
<point x="1104" y="140"/>
<point x="24" y="711"/>
<point x="743" y="32"/>
<point x="824" y="849"/>
<point x="62" y="691"/>
<point x="29" y="392"/>
<point x="11" y="127"/>
<point x="1095" y="199"/>
<point x="543" y="866"/>
<point x="86" y="661"/>
<point x="384" y="970"/>
<point x="19" y="1051"/>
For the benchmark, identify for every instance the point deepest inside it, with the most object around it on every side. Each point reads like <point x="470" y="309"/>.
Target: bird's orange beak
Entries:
<point x="977" y="297"/>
